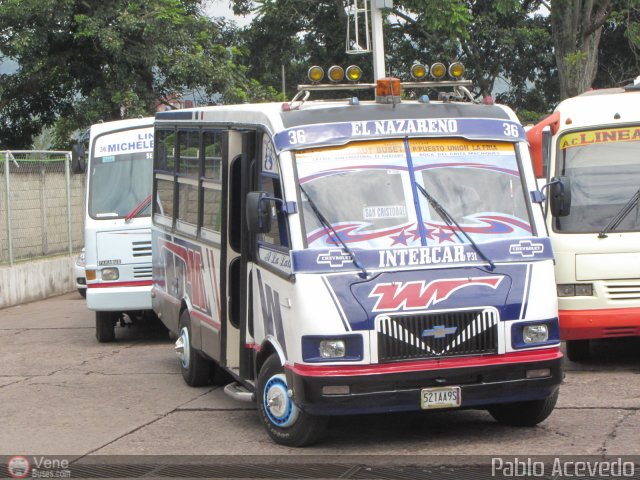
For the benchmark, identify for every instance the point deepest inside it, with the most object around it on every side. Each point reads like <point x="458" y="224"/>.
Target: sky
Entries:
<point x="221" y="8"/>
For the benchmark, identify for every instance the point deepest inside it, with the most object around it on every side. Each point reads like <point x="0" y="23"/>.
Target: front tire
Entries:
<point x="106" y="326"/>
<point x="285" y="423"/>
<point x="196" y="369"/>
<point x="578" y="350"/>
<point x="524" y="414"/>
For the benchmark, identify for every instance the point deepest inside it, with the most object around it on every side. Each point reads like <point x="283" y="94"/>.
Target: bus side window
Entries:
<point x="164" y="174"/>
<point x="188" y="172"/>
<point x="212" y="180"/>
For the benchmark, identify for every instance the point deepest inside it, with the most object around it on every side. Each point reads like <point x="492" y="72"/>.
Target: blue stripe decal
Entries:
<point x="345" y="323"/>
<point x="340" y="133"/>
<point x="418" y="258"/>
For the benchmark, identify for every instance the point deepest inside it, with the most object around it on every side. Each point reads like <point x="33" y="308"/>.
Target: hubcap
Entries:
<point x="279" y="408"/>
<point x="182" y="347"/>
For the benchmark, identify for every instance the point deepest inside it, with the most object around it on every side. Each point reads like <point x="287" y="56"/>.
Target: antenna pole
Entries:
<point x="377" y="36"/>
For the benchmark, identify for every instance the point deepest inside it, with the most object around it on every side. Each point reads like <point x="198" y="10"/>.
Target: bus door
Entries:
<point x="237" y="164"/>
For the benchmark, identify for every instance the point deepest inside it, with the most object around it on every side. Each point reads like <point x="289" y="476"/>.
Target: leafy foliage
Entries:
<point x="92" y="60"/>
<point x="81" y="61"/>
<point x="498" y="41"/>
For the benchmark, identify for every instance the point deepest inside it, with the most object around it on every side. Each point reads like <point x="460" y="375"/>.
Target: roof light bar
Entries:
<point x="419" y="72"/>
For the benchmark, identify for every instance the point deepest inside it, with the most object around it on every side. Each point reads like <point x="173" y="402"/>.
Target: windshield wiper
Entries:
<point x="137" y="209"/>
<point x="621" y="215"/>
<point x="323" y="220"/>
<point x="449" y="220"/>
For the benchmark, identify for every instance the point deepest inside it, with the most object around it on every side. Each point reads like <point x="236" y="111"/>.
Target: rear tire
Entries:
<point x="106" y="326"/>
<point x="578" y="350"/>
<point x="524" y="414"/>
<point x="286" y="424"/>
<point x="196" y="369"/>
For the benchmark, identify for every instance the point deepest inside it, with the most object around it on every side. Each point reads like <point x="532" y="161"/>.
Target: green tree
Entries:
<point x="81" y="62"/>
<point x="294" y="34"/>
<point x="619" y="50"/>
<point x="497" y="39"/>
<point x="577" y="29"/>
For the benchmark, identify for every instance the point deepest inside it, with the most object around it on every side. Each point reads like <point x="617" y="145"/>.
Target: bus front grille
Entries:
<point x="437" y="335"/>
<point x="141" y="248"/>
<point x="143" y="272"/>
<point x="620" y="291"/>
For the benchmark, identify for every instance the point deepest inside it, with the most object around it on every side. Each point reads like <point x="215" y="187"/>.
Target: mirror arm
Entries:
<point x="286" y="207"/>
<point x="547" y="185"/>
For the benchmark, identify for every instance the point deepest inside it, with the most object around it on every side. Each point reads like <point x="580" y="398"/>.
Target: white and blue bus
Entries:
<point x="345" y="257"/>
<point x="118" y="223"/>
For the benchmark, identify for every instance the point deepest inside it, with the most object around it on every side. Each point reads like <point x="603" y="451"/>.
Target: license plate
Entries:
<point x="441" y="397"/>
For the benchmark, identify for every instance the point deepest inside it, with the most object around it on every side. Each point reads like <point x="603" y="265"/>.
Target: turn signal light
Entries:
<point x="388" y="87"/>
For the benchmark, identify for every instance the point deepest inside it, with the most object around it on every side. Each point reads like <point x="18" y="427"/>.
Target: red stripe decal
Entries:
<point x="140" y="283"/>
<point x="422" y="365"/>
<point x="205" y="319"/>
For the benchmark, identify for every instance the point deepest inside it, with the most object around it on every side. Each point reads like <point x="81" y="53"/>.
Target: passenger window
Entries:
<point x="164" y="171"/>
<point x="212" y="145"/>
<point x="212" y="180"/>
<point x="165" y="142"/>
<point x="188" y="169"/>
<point x="189" y="152"/>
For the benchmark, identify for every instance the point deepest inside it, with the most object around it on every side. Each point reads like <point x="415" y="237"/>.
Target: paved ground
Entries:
<point x="62" y="393"/>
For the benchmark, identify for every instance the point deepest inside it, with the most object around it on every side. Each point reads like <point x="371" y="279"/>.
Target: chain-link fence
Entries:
<point x="41" y="202"/>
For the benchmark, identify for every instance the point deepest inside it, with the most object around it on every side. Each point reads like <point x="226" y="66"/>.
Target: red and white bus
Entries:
<point x="592" y="143"/>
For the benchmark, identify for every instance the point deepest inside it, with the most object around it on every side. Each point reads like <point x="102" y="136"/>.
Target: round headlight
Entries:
<point x="438" y="70"/>
<point x="418" y="71"/>
<point x="336" y="73"/>
<point x="354" y="73"/>
<point x="456" y="70"/>
<point x="315" y="74"/>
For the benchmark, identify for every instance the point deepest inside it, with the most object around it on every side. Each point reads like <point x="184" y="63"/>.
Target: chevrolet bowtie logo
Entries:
<point x="439" y="331"/>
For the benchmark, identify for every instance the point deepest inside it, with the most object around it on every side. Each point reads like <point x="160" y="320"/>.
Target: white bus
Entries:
<point x="343" y="257"/>
<point x="592" y="143"/>
<point x="118" y="223"/>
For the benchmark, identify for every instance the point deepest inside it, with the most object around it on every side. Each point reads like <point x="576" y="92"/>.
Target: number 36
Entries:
<point x="510" y="129"/>
<point x="296" y="137"/>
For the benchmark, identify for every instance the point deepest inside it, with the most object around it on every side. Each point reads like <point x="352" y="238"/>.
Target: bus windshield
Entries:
<point x="367" y="190"/>
<point x="604" y="169"/>
<point x="120" y="174"/>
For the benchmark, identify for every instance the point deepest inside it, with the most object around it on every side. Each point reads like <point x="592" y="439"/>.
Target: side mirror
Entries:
<point x="560" y="196"/>
<point x="257" y="212"/>
<point x="78" y="158"/>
